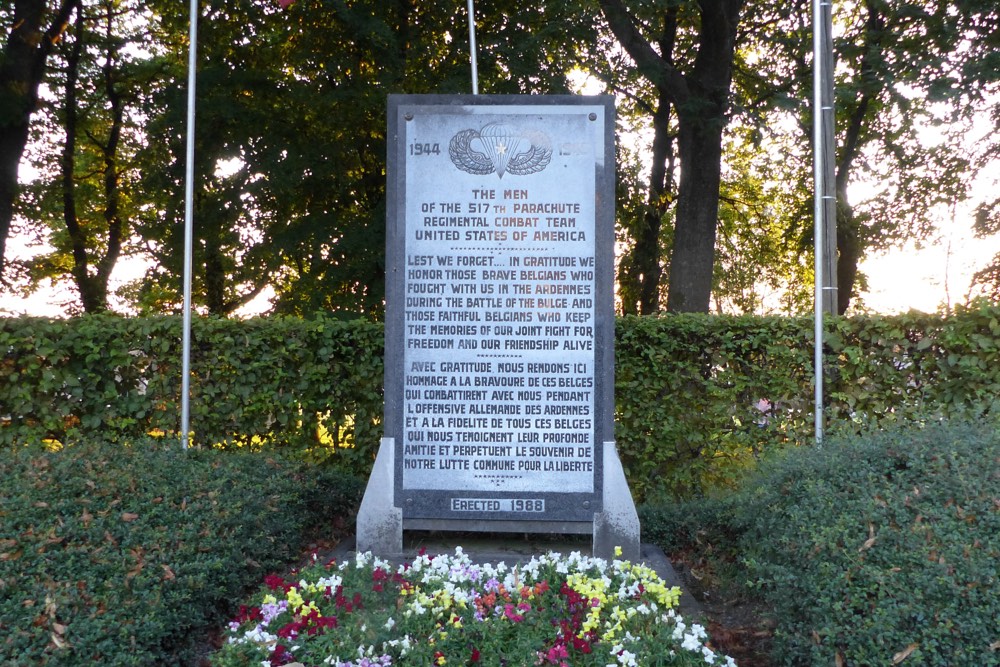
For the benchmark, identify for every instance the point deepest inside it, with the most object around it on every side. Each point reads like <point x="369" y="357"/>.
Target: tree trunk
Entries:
<point x="849" y="245"/>
<point x="693" y="259"/>
<point x="91" y="296"/>
<point x="647" y="266"/>
<point x="702" y="120"/>
<point x="112" y="189"/>
<point x="22" y="66"/>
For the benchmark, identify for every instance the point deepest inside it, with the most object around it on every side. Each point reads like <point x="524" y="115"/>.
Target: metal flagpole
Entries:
<point x="472" y="47"/>
<point x="188" y="233"/>
<point x="824" y="198"/>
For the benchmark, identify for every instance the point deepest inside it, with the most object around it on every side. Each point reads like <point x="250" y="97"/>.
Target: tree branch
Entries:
<point x="660" y="73"/>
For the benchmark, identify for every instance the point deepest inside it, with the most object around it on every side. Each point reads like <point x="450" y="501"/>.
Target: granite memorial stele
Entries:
<point x="499" y="331"/>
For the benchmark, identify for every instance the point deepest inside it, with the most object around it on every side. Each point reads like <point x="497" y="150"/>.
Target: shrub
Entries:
<point x="126" y="554"/>
<point x="870" y="550"/>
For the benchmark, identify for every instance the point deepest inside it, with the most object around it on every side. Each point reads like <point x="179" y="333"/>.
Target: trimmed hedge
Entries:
<point x="277" y="381"/>
<point x="698" y="397"/>
<point x="870" y="551"/>
<point x="129" y="555"/>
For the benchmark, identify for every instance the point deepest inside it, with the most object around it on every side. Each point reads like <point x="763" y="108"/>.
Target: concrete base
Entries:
<point x="617" y="525"/>
<point x="380" y="522"/>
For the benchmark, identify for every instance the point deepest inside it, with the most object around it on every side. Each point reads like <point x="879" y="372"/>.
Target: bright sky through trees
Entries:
<point x="300" y="213"/>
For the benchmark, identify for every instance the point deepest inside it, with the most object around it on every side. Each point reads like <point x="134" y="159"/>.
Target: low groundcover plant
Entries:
<point x="446" y="610"/>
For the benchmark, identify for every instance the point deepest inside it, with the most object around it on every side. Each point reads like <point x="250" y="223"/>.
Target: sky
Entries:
<point x="911" y="278"/>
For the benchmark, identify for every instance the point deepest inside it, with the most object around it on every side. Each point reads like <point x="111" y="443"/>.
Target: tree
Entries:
<point x="985" y="283"/>
<point x="698" y="92"/>
<point x="297" y="113"/>
<point x="36" y="27"/>
<point x="85" y="139"/>
<point x="901" y="68"/>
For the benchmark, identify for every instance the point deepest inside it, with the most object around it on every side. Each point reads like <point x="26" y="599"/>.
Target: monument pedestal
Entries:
<point x="499" y="324"/>
<point x="380" y="522"/>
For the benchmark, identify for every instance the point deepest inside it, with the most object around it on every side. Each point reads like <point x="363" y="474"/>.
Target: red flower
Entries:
<point x="274" y="582"/>
<point x="248" y="614"/>
<point x="280" y="656"/>
<point x="475" y="654"/>
<point x="508" y="611"/>
<point x="378" y="577"/>
<point x="291" y="630"/>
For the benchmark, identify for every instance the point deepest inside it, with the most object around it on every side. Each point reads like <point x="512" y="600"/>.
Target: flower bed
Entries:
<point x="446" y="610"/>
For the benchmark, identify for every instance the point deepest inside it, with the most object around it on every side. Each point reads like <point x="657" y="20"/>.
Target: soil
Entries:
<point x="738" y="626"/>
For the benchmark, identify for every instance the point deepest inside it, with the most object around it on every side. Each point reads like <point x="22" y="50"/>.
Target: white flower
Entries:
<point x="389" y="624"/>
<point x="627" y="658"/>
<point x="691" y="643"/>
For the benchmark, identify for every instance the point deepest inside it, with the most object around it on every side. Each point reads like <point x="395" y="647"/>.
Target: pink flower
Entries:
<point x="509" y="612"/>
<point x="556" y="653"/>
<point x="285" y="4"/>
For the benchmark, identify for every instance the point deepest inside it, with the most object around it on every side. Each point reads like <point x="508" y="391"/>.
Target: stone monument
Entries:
<point x="499" y="334"/>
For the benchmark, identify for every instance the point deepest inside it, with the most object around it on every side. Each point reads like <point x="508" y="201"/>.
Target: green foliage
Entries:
<point x="313" y="384"/>
<point x="869" y="548"/>
<point x="121" y="555"/>
<point x="689" y="386"/>
<point x="698" y="398"/>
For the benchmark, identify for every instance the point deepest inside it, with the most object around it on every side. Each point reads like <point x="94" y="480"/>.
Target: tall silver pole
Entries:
<point x="188" y="233"/>
<point x="472" y="47"/>
<point x="824" y="201"/>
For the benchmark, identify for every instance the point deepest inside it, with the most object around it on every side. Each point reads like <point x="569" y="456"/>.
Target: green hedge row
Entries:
<point x="132" y="555"/>
<point x="701" y="396"/>
<point x="697" y="396"/>
<point x="277" y="381"/>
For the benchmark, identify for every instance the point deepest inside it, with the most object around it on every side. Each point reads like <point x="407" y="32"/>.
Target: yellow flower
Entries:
<point x="295" y="601"/>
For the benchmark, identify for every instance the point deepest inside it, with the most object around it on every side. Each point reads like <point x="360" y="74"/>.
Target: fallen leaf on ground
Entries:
<point x="904" y="654"/>
<point x="870" y="541"/>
